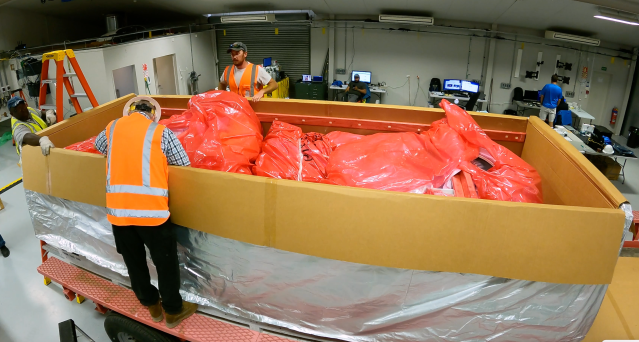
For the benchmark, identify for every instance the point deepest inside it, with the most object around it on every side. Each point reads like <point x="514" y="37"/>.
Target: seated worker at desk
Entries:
<point x="549" y="98"/>
<point x="355" y="90"/>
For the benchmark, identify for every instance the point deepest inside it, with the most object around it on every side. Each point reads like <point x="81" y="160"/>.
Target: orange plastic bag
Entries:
<point x="84" y="146"/>
<point x="316" y="149"/>
<point x="338" y="138"/>
<point x="288" y="153"/>
<point x="220" y="131"/>
<point x="281" y="155"/>
<point x="510" y="178"/>
<point x="406" y="162"/>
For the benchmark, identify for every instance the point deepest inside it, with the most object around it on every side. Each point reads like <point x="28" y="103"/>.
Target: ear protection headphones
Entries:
<point x="154" y="109"/>
<point x="143" y="107"/>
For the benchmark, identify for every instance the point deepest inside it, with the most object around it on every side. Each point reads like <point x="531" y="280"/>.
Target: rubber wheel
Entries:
<point x="124" y="329"/>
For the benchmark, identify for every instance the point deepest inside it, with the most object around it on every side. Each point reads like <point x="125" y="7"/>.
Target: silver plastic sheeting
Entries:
<point x="336" y="299"/>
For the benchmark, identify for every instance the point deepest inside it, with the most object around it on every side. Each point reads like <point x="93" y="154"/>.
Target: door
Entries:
<point x="599" y="88"/>
<point x="165" y="81"/>
<point x="290" y="47"/>
<point x="124" y="81"/>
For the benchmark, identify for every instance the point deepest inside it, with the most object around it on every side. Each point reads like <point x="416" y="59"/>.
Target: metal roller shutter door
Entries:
<point x="290" y="47"/>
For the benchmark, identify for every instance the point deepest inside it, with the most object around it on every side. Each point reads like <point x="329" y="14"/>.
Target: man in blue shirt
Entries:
<point x="549" y="98"/>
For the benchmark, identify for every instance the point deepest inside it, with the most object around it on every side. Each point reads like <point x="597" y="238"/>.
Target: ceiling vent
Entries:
<point x="405" y="19"/>
<point x="258" y="18"/>
<point x="572" y="38"/>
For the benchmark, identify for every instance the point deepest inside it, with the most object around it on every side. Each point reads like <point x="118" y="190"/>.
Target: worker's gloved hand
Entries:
<point x="51" y="118"/>
<point x="45" y="145"/>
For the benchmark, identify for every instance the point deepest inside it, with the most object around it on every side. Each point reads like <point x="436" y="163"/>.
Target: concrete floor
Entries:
<point x="30" y="311"/>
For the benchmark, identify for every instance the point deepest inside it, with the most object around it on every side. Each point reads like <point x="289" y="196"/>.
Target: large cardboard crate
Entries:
<point x="574" y="237"/>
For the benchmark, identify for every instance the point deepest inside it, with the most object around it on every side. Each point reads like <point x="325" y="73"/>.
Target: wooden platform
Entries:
<point x="197" y="328"/>
<point x="618" y="318"/>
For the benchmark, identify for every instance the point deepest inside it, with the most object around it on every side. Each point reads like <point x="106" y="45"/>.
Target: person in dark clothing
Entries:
<point x="3" y="248"/>
<point x="355" y="90"/>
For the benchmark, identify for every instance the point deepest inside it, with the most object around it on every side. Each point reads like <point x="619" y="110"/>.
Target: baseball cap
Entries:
<point x="237" y="46"/>
<point x="14" y="102"/>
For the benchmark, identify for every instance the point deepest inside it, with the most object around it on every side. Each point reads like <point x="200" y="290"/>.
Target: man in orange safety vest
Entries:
<point x="245" y="78"/>
<point x="138" y="152"/>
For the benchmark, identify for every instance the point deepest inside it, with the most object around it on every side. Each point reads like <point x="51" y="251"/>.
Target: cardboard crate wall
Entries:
<point x="573" y="238"/>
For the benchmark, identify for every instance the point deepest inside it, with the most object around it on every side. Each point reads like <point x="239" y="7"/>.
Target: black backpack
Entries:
<point x="435" y="84"/>
<point x="518" y="94"/>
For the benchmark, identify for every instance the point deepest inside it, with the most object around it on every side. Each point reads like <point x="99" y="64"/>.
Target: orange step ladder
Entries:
<point x="62" y="77"/>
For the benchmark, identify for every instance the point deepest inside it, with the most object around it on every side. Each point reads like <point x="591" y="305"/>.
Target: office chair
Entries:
<point x="435" y="84"/>
<point x="518" y="94"/>
<point x="470" y="105"/>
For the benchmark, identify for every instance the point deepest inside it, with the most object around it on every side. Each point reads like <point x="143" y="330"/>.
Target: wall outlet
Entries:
<point x="505" y="85"/>
<point x="570" y="94"/>
<point x="340" y="71"/>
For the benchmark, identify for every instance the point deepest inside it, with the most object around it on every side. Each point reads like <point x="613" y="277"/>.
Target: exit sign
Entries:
<point x="604" y="68"/>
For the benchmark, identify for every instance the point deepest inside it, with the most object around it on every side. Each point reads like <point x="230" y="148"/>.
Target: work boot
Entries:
<point x="173" y="321"/>
<point x="156" y="311"/>
<point x="5" y="251"/>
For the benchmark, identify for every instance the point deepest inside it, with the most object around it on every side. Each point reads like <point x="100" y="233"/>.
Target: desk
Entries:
<point x="580" y="142"/>
<point x="374" y="90"/>
<point x="435" y="96"/>
<point x="526" y="105"/>
<point x="581" y="114"/>
<point x="451" y="97"/>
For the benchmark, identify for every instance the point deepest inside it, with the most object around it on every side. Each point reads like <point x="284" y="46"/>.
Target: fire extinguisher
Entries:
<point x="613" y="119"/>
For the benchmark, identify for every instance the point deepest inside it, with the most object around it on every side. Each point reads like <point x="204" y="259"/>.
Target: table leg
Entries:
<point x="623" y="174"/>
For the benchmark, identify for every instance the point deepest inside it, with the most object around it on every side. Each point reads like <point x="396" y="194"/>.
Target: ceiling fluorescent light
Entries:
<point x="406" y="19"/>
<point x="617" y="16"/>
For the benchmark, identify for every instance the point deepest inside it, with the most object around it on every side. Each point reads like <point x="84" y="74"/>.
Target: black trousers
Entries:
<point x="160" y="240"/>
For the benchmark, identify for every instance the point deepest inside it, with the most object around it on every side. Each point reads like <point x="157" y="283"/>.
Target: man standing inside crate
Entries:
<point x="138" y="153"/>
<point x="26" y="122"/>
<point x="549" y="98"/>
<point x="245" y="78"/>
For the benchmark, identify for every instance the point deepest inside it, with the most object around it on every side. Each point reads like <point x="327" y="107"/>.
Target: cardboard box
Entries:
<point x="573" y="238"/>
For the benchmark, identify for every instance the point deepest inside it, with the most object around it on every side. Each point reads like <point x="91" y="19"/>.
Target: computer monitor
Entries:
<point x="307" y="78"/>
<point x="454" y="85"/>
<point x="364" y="76"/>
<point x="470" y="87"/>
<point x="531" y="95"/>
<point x="267" y="61"/>
<point x="318" y="79"/>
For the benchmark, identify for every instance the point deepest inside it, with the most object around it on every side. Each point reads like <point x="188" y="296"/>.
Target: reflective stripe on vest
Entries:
<point x="33" y="127"/>
<point x="137" y="189"/>
<point x="140" y="190"/>
<point x="248" y="82"/>
<point x="138" y="213"/>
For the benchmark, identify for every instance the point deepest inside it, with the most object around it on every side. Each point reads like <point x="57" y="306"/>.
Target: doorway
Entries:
<point x="599" y="97"/>
<point x="165" y="80"/>
<point x="124" y="81"/>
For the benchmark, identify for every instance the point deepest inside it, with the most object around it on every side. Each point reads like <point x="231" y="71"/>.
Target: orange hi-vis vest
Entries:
<point x="137" y="183"/>
<point x="248" y="83"/>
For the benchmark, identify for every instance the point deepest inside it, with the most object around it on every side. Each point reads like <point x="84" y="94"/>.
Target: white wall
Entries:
<point x="391" y="55"/>
<point x="319" y="47"/>
<point x="504" y="60"/>
<point x="144" y="52"/>
<point x="98" y="65"/>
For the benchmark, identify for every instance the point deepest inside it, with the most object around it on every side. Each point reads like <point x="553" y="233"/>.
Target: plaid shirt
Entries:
<point x="171" y="146"/>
